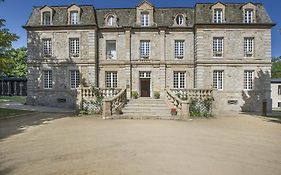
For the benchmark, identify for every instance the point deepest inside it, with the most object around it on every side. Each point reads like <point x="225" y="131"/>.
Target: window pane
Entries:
<point x="74" y="47"/>
<point x="111" y="49"/>
<point x="144" y="49"/>
<point x="47" y="47"/>
<point x="179" y="79"/>
<point x="217" y="47"/>
<point x="218" y="80"/>
<point x="74" y="79"/>
<point x="111" y="79"/>
<point x="74" y="17"/>
<point x="46" y="18"/>
<point x="179" y="49"/>
<point x="47" y="79"/>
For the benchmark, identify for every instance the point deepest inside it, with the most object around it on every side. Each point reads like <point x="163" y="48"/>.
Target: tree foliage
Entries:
<point x="17" y="66"/>
<point x="6" y="39"/>
<point x="276" y="67"/>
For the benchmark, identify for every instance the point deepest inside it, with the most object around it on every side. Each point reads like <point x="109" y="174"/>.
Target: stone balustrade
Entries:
<point x="192" y="93"/>
<point x="110" y="105"/>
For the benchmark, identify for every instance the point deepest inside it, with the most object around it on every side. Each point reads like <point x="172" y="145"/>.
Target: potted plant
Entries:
<point x="156" y="94"/>
<point x="174" y="111"/>
<point x="135" y="94"/>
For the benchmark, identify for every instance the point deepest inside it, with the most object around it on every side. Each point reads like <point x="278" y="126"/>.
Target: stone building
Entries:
<point x="276" y="92"/>
<point x="224" y="46"/>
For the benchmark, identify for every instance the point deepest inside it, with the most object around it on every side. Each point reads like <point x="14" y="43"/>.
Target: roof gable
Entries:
<point x="217" y="5"/>
<point x="145" y="5"/>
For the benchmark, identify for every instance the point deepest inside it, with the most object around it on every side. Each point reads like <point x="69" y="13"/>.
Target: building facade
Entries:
<point x="226" y="47"/>
<point x="276" y="92"/>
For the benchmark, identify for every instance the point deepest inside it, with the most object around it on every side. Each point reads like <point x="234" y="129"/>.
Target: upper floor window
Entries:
<point x="111" y="49"/>
<point x="74" y="79"/>
<point x="248" y="79"/>
<point x="279" y="89"/>
<point x="248" y="47"/>
<point x="74" y="47"/>
<point x="248" y="15"/>
<point x="218" y="79"/>
<point x="74" y="17"/>
<point x="218" y="16"/>
<point x="110" y="20"/>
<point x="218" y="47"/>
<point x="144" y="19"/>
<point x="47" y="47"/>
<point x="111" y="79"/>
<point x="179" y="49"/>
<point x="144" y="49"/>
<point x="47" y="79"/>
<point x="179" y="20"/>
<point x="46" y="18"/>
<point x="179" y="80"/>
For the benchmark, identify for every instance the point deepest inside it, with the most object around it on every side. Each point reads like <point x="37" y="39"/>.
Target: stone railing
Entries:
<point x="192" y="93"/>
<point x="181" y="105"/>
<point x="110" y="105"/>
<point x="89" y="92"/>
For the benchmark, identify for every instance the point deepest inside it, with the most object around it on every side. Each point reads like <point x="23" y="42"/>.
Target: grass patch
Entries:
<point x="20" y="99"/>
<point x="11" y="112"/>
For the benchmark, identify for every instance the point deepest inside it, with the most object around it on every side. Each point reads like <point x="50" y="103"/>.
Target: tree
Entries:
<point x="276" y="67"/>
<point x="17" y="66"/>
<point x="6" y="39"/>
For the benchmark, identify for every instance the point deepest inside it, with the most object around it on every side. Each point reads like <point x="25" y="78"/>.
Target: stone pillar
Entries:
<point x="106" y="112"/>
<point x="128" y="68"/>
<point x="21" y="85"/>
<point x="15" y="87"/>
<point x="185" y="115"/>
<point x="2" y="86"/>
<point x="8" y="88"/>
<point x="79" y="99"/>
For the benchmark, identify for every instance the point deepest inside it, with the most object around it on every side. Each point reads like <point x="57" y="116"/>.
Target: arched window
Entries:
<point x="110" y="20"/>
<point x="179" y="20"/>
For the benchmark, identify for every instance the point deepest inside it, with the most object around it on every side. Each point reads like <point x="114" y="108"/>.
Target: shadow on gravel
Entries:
<point x="17" y="125"/>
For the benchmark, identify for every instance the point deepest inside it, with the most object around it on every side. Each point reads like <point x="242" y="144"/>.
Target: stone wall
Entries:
<point x="274" y="93"/>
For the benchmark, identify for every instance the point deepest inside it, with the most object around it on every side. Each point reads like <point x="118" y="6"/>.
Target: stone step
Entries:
<point x="145" y="117"/>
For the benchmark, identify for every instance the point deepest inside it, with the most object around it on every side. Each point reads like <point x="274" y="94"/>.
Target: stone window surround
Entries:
<point x="144" y="19"/>
<point x="179" y="49"/>
<point x="48" y="82"/>
<point x="145" y="49"/>
<point x="249" y="47"/>
<point x="215" y="7"/>
<point x="47" y="47"/>
<point x="248" y="79"/>
<point x="249" y="6"/>
<point x="76" y="78"/>
<point x="109" y="56"/>
<point x="73" y="8"/>
<point x="179" y="79"/>
<point x="218" y="47"/>
<point x="184" y="18"/>
<point x="46" y="9"/>
<point x="218" y="79"/>
<point x="114" y="22"/>
<point x="77" y="50"/>
<point x="111" y="79"/>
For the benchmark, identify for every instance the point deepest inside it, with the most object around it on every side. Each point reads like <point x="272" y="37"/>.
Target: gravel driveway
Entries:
<point x="61" y="145"/>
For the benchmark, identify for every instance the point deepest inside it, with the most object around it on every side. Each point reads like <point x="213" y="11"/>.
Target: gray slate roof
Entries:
<point x="60" y="16"/>
<point x="126" y="17"/>
<point x="233" y="13"/>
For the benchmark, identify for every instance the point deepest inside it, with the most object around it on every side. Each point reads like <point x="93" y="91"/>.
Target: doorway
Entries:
<point x="145" y="87"/>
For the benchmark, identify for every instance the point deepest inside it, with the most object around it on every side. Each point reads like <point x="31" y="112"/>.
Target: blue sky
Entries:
<point x="16" y="13"/>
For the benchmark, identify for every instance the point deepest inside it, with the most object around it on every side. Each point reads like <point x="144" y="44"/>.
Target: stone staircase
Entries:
<point x="146" y="108"/>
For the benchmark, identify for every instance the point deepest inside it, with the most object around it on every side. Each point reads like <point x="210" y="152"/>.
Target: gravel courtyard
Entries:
<point x="60" y="145"/>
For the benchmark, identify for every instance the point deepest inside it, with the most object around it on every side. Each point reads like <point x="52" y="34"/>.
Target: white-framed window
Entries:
<point x="279" y="89"/>
<point x="74" y="47"/>
<point x="74" y="17"/>
<point x="248" y="47"/>
<point x="47" y="79"/>
<point x="47" y="47"/>
<point x="179" y="20"/>
<point x="74" y="79"/>
<point x="111" y="49"/>
<point x="46" y="18"/>
<point x="218" y="79"/>
<point x="179" y="49"/>
<point x="217" y="16"/>
<point x="144" y="49"/>
<point x="248" y="79"/>
<point x="248" y="15"/>
<point x="111" y="79"/>
<point x="110" y="20"/>
<point x="179" y="80"/>
<point x="218" y="46"/>
<point x="144" y="19"/>
<point x="145" y="74"/>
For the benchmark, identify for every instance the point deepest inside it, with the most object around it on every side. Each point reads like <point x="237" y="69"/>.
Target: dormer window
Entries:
<point x="179" y="20"/>
<point x="144" y="19"/>
<point x="218" y="16"/>
<point x="248" y="15"/>
<point x="110" y="20"/>
<point x="46" y="18"/>
<point x="74" y="17"/>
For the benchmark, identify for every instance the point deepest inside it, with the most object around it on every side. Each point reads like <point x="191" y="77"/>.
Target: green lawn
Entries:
<point x="20" y="99"/>
<point x="11" y="112"/>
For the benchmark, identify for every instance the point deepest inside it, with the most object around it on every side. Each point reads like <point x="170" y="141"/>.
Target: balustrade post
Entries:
<point x="185" y="115"/>
<point x="79" y="99"/>
<point x="106" y="112"/>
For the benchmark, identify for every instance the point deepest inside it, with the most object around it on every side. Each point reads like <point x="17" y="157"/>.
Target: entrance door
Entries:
<point x="145" y="87"/>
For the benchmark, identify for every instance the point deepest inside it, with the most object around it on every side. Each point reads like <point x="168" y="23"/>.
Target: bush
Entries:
<point x="201" y="108"/>
<point x="135" y="94"/>
<point x="156" y="94"/>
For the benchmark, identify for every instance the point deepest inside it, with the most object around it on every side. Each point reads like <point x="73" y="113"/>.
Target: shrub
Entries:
<point x="156" y="94"/>
<point x="135" y="94"/>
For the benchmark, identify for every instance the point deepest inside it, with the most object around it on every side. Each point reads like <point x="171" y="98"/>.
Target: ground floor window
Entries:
<point x="248" y="80"/>
<point x="279" y="89"/>
<point x="279" y="104"/>
<point x="111" y="79"/>
<point x="47" y="79"/>
<point x="74" y="79"/>
<point x="218" y="79"/>
<point x="179" y="79"/>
